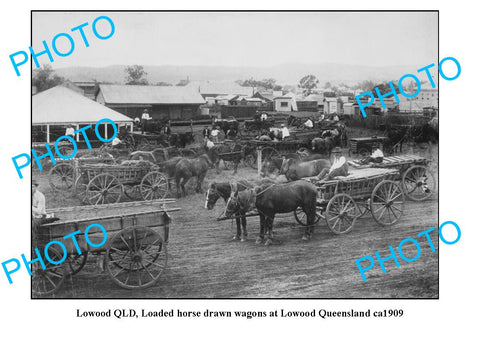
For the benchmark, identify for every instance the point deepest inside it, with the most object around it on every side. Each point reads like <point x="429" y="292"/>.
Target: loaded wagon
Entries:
<point x="134" y="248"/>
<point x="416" y="178"/>
<point x="342" y="200"/>
<point x="107" y="183"/>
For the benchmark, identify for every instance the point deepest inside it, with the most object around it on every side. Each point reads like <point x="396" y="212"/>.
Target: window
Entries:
<point x="283" y="104"/>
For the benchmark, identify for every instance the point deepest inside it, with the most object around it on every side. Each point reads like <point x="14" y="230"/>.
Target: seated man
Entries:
<point x="263" y="117"/>
<point x="117" y="143"/>
<point x="338" y="168"/>
<point x="376" y="157"/>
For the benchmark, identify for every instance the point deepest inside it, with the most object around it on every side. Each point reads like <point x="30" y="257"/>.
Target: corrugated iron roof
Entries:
<point x="220" y="88"/>
<point x="60" y="105"/>
<point x="145" y="94"/>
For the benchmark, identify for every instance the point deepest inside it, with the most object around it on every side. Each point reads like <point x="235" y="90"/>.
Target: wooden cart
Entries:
<point x="106" y="183"/>
<point x="342" y="200"/>
<point x="135" y="251"/>
<point x="364" y="145"/>
<point x="417" y="180"/>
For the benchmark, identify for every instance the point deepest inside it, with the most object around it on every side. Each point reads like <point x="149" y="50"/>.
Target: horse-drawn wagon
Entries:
<point x="107" y="183"/>
<point x="340" y="201"/>
<point x="416" y="178"/>
<point x="134" y="247"/>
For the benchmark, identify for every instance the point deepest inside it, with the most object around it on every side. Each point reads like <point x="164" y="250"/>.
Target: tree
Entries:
<point x="44" y="78"/>
<point x="135" y="75"/>
<point x="327" y="85"/>
<point x="307" y="84"/>
<point x="163" y="83"/>
<point x="267" y="84"/>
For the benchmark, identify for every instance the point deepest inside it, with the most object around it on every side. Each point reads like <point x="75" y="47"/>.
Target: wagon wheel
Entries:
<point x="136" y="257"/>
<point x="386" y="203"/>
<point x="301" y="216"/>
<point x="49" y="280"/>
<point x="154" y="186"/>
<point x="62" y="176"/>
<point x="130" y="142"/>
<point x="362" y="207"/>
<point x="132" y="192"/>
<point x="81" y="187"/>
<point x="418" y="183"/>
<point x="76" y="262"/>
<point x="104" y="189"/>
<point x="341" y="214"/>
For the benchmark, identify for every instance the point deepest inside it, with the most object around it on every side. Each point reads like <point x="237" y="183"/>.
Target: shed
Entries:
<point x="170" y="102"/>
<point x="61" y="106"/>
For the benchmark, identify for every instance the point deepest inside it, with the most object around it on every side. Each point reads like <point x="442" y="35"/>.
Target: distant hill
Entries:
<point x="284" y="74"/>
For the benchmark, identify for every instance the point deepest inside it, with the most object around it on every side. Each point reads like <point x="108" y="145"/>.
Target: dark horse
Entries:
<point x="223" y="190"/>
<point x="190" y="167"/>
<point x="270" y="199"/>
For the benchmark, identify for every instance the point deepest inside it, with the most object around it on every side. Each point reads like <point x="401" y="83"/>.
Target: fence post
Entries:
<point x="259" y="160"/>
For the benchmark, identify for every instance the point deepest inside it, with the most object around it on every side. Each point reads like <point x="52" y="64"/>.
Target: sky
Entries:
<point x="243" y="39"/>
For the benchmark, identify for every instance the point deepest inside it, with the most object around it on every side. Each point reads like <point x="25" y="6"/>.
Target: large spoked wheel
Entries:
<point x="81" y="187"/>
<point x="130" y="142"/>
<point x="418" y="183"/>
<point x="154" y="186"/>
<point x="301" y="216"/>
<point x="386" y="203"/>
<point x="49" y="280"/>
<point x="136" y="257"/>
<point x="62" y="176"/>
<point x="341" y="214"/>
<point x="76" y="262"/>
<point x="104" y="189"/>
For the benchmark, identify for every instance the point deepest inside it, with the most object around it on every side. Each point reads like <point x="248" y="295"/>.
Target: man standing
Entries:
<point x="145" y="118"/>
<point x="263" y="117"/>
<point x="308" y="124"/>
<point x="70" y="131"/>
<point x="214" y="134"/>
<point x="39" y="212"/>
<point x="285" y="132"/>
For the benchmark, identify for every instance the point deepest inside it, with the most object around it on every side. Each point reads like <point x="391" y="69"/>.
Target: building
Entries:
<point x="428" y="97"/>
<point x="330" y="105"/>
<point x="55" y="108"/>
<point x="285" y="103"/>
<point x="245" y="101"/>
<point x="214" y="89"/>
<point x="162" y="102"/>
<point x="87" y="84"/>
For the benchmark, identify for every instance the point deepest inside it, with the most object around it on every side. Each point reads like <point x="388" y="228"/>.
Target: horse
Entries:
<point x="270" y="199"/>
<point x="294" y="170"/>
<point x="323" y="145"/>
<point x="187" y="168"/>
<point x="223" y="190"/>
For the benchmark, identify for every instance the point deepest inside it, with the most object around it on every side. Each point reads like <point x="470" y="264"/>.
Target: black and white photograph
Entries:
<point x="235" y="154"/>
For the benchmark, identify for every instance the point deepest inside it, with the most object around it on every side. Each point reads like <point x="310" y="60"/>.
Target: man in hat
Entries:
<point x="145" y="118"/>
